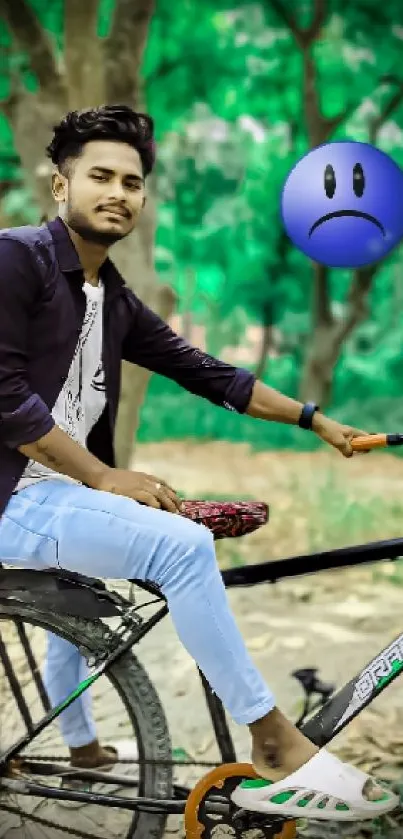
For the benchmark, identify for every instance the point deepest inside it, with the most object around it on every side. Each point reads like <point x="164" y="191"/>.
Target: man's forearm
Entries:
<point x="273" y="406"/>
<point x="59" y="452"/>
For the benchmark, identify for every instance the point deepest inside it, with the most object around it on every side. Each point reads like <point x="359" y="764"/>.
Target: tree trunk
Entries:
<point x="317" y="376"/>
<point x="266" y="344"/>
<point x="269" y="305"/>
<point x="80" y="81"/>
<point x="187" y="302"/>
<point x="83" y="55"/>
<point x="134" y="258"/>
<point x="134" y="386"/>
<point x="329" y="334"/>
<point x="267" y="336"/>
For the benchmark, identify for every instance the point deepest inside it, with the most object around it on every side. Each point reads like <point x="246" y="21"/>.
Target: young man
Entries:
<point x="66" y="322"/>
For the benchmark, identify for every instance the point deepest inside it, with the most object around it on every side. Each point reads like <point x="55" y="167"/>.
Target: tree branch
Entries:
<point x="357" y="309"/>
<point x="318" y="127"/>
<point x="166" y="67"/>
<point x="284" y="16"/>
<point x="331" y="124"/>
<point x="377" y="123"/>
<point x="322" y="313"/>
<point x="32" y="39"/>
<point x="10" y="102"/>
<point x="303" y="37"/>
<point x="319" y="16"/>
<point x="124" y="49"/>
<point x="315" y="121"/>
<point x="8" y="106"/>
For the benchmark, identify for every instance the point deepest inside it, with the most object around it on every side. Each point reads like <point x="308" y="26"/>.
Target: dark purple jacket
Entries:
<point x="42" y="306"/>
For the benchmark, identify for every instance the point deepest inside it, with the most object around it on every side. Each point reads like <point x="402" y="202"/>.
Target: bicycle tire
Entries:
<point x="138" y="695"/>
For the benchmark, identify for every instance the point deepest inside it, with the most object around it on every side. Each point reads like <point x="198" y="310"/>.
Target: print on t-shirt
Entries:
<point x="98" y="382"/>
<point x="83" y="398"/>
<point x="75" y="403"/>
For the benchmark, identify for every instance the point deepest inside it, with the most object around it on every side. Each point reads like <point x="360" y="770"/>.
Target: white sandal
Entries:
<point x="323" y="789"/>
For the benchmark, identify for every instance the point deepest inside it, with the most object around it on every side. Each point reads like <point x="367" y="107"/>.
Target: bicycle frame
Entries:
<point x="321" y="727"/>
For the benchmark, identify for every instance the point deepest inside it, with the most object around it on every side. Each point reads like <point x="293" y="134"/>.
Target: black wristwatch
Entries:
<point x="305" y="420"/>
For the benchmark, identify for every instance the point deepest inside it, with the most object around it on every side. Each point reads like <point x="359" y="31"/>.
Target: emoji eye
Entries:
<point x="330" y="181"/>
<point x="358" y="180"/>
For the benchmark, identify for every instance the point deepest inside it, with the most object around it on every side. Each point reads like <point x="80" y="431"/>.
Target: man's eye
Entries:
<point x="99" y="177"/>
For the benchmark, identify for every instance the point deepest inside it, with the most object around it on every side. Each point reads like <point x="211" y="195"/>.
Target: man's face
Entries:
<point x="103" y="194"/>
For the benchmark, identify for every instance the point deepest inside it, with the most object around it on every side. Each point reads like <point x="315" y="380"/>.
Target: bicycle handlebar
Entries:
<point x="376" y="441"/>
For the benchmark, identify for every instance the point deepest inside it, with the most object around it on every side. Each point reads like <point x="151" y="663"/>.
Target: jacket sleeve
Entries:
<point x="24" y="417"/>
<point x="151" y="343"/>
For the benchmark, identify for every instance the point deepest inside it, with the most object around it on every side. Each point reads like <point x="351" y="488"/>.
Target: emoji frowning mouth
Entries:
<point x="340" y="213"/>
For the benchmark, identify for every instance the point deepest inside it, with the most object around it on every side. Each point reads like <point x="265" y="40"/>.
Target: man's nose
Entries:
<point x="116" y="191"/>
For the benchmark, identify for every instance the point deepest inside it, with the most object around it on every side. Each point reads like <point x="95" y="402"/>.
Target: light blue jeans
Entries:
<point x="55" y="524"/>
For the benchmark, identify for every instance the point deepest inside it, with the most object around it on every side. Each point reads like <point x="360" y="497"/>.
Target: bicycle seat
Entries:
<point x="227" y="519"/>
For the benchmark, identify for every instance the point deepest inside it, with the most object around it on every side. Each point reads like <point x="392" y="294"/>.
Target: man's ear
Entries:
<point x="144" y="202"/>
<point x="59" y="187"/>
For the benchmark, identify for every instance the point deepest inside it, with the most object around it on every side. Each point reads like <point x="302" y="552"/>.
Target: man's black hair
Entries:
<point x="108" y="122"/>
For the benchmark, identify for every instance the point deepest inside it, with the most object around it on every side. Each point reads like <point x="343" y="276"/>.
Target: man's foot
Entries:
<point x="93" y="756"/>
<point x="279" y="749"/>
<point x="298" y="780"/>
<point x="13" y="769"/>
<point x="102" y="758"/>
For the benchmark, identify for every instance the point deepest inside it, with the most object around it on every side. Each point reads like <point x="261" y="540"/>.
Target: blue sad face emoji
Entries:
<point x="342" y="204"/>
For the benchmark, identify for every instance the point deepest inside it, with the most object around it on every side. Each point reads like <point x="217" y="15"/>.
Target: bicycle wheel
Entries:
<point x="142" y="721"/>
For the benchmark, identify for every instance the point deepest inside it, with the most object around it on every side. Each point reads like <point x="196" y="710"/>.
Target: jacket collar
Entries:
<point x="69" y="261"/>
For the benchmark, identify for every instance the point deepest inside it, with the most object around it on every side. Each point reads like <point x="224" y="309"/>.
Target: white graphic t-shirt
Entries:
<point x="82" y="400"/>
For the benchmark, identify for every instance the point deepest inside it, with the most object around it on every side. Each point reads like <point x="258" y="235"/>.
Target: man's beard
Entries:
<point x="80" y="224"/>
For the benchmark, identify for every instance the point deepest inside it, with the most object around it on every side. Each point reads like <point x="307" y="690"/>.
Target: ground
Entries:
<point x="336" y="621"/>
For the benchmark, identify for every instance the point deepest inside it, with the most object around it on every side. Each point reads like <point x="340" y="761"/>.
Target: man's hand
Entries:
<point x="337" y="435"/>
<point x="154" y="492"/>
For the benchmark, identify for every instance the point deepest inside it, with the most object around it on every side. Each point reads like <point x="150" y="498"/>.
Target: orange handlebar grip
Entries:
<point x="372" y="441"/>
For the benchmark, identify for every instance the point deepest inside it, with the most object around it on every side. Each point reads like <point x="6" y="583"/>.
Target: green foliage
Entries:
<point x="223" y="160"/>
<point x="19" y="206"/>
<point x="224" y="83"/>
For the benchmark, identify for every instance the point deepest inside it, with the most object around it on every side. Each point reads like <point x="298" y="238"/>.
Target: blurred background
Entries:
<point x="239" y="92"/>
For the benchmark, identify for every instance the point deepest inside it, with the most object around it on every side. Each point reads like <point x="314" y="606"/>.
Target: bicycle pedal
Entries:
<point x="203" y="821"/>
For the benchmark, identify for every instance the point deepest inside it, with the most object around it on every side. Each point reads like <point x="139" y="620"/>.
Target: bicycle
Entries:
<point x="74" y="607"/>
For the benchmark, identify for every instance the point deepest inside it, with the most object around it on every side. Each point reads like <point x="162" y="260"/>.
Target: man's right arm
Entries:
<point x="59" y="452"/>
<point x="26" y="423"/>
